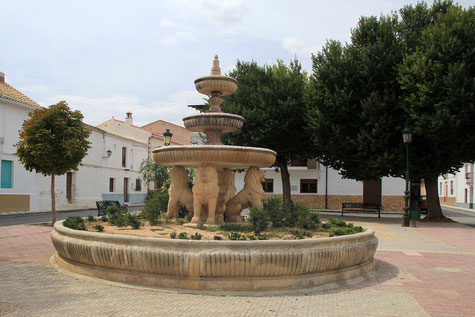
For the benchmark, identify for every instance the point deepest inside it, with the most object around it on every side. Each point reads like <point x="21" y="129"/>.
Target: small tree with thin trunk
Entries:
<point x="52" y="142"/>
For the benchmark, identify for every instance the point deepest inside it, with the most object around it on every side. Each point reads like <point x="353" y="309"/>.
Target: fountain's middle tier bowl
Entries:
<point x="226" y="122"/>
<point x="217" y="155"/>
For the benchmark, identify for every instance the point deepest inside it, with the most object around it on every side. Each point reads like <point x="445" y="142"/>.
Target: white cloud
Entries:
<point x="299" y="47"/>
<point x="97" y="110"/>
<point x="224" y="14"/>
<point x="178" y="37"/>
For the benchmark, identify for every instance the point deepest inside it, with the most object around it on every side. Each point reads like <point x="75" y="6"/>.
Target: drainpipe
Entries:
<point x="326" y="187"/>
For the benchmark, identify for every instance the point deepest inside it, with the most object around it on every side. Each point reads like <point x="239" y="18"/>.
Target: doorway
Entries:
<point x="372" y="191"/>
<point x="126" y="189"/>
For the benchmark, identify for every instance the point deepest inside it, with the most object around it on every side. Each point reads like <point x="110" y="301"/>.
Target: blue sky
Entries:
<point x="109" y="57"/>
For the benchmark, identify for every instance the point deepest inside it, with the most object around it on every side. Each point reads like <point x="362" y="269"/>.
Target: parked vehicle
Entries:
<point x="423" y="204"/>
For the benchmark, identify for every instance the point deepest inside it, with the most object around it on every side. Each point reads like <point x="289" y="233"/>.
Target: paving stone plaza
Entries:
<point x="428" y="270"/>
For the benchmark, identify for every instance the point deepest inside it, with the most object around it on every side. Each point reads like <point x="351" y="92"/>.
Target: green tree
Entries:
<point x="367" y="91"/>
<point x="272" y="101"/>
<point x="356" y="94"/>
<point x="52" y="142"/>
<point x="151" y="172"/>
<point x="439" y="86"/>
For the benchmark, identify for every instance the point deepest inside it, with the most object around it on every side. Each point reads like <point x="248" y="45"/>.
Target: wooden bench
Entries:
<point x="103" y="204"/>
<point x="360" y="207"/>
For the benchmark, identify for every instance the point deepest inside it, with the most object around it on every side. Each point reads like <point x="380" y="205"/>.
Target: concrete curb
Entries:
<point x="457" y="208"/>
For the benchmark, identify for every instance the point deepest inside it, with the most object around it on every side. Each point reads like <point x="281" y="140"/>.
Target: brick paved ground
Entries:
<point x="424" y="271"/>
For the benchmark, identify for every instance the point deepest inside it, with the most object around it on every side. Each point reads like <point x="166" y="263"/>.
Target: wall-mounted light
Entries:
<point x="109" y="153"/>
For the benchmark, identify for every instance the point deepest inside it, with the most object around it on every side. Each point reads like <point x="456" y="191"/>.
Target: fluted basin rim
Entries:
<point x="216" y="77"/>
<point x="205" y="244"/>
<point x="199" y="147"/>
<point x="214" y="114"/>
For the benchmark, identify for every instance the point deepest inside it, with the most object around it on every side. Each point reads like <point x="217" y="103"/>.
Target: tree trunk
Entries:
<point x="53" y="202"/>
<point x="284" y="174"/>
<point x="434" y="212"/>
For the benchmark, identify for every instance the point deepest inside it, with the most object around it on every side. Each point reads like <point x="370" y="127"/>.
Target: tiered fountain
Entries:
<point x="242" y="267"/>
<point x="213" y="199"/>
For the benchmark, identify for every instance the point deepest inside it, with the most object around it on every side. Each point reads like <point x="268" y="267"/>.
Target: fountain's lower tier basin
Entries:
<point x="241" y="267"/>
<point x="217" y="155"/>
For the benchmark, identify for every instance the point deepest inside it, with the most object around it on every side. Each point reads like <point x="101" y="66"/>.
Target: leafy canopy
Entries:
<point x="413" y="69"/>
<point x="272" y="101"/>
<point x="53" y="141"/>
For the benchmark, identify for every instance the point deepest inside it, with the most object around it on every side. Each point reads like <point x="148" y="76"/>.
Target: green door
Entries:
<point x="6" y="174"/>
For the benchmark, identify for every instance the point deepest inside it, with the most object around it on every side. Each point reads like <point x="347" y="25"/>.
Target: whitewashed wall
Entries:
<point x="336" y="184"/>
<point x="12" y="116"/>
<point x="91" y="181"/>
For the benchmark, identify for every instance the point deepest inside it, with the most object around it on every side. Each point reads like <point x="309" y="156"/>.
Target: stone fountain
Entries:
<point x="216" y="267"/>
<point x="213" y="196"/>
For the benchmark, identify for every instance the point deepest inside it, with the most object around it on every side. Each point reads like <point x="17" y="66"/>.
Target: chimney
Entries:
<point x="129" y="119"/>
<point x="2" y="78"/>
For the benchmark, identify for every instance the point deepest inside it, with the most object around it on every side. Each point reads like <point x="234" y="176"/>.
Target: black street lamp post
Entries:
<point x="407" y="138"/>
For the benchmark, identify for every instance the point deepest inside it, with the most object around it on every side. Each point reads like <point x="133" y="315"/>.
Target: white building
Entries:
<point x="457" y="189"/>
<point x="16" y="184"/>
<point x="101" y="175"/>
<point x="320" y="187"/>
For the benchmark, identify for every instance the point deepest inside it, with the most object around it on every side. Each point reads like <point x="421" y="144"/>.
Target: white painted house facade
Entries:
<point x="457" y="189"/>
<point x="320" y="187"/>
<point x="99" y="177"/>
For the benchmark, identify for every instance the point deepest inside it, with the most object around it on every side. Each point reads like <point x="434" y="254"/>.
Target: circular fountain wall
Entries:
<point x="247" y="267"/>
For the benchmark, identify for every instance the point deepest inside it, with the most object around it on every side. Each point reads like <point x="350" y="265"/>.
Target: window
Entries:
<point x="308" y="185"/>
<point x="6" y="174"/>
<point x="298" y="163"/>
<point x="111" y="185"/>
<point x="124" y="157"/>
<point x="268" y="185"/>
<point x="138" y="185"/>
<point x="440" y="189"/>
<point x="466" y="195"/>
<point x="451" y="187"/>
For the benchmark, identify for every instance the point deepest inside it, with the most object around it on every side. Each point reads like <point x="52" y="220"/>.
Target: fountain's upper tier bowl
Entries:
<point x="216" y="155"/>
<point x="212" y="84"/>
<point x="226" y="122"/>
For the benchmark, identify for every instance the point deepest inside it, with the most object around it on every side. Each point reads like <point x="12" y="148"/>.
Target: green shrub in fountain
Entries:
<point x="196" y="236"/>
<point x="236" y="236"/>
<point x="133" y="221"/>
<point x="182" y="235"/>
<point x="91" y="218"/>
<point x="173" y="235"/>
<point x="99" y="228"/>
<point x="258" y="220"/>
<point x="277" y="215"/>
<point x="75" y="222"/>
<point x="155" y="206"/>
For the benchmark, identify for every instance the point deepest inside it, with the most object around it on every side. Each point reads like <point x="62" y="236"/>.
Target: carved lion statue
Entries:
<point x="205" y="193"/>
<point x="227" y="190"/>
<point x="180" y="193"/>
<point x="251" y="195"/>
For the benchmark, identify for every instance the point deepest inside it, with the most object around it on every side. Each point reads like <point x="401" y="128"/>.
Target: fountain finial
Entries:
<point x="215" y="70"/>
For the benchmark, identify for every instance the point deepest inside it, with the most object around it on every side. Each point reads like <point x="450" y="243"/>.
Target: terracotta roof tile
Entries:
<point x="8" y="92"/>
